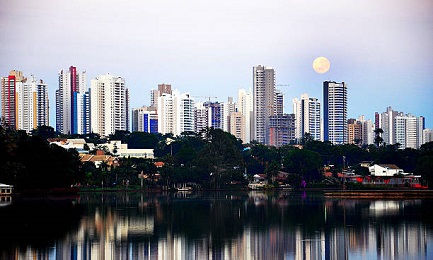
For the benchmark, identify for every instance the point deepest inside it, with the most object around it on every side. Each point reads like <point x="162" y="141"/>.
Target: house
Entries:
<point x="121" y="150"/>
<point x="5" y="189"/>
<point x="78" y="144"/>
<point x="385" y="170"/>
<point x="98" y="159"/>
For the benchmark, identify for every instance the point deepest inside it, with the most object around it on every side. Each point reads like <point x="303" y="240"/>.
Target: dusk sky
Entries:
<point x="382" y="49"/>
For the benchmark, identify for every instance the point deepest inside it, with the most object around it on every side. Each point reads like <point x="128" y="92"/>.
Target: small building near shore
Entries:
<point x="385" y="170"/>
<point x="6" y="189"/>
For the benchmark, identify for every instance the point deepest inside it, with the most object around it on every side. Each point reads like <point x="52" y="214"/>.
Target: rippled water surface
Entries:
<point x="217" y="225"/>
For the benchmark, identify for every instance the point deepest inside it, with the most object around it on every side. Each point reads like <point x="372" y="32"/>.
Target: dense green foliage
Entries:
<point x="31" y="163"/>
<point x="211" y="159"/>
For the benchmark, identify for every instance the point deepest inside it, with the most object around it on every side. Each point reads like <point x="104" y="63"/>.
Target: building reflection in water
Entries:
<point x="248" y="226"/>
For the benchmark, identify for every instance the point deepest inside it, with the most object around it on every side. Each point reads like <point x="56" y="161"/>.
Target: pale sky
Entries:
<point x="383" y="49"/>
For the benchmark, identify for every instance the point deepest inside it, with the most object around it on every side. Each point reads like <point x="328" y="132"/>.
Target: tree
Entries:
<point x="305" y="163"/>
<point x="378" y="140"/>
<point x="44" y="132"/>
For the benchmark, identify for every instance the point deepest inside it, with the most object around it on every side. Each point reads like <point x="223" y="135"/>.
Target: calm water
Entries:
<point x="224" y="225"/>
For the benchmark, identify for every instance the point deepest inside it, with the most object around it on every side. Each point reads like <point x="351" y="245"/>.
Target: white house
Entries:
<point x="118" y="149"/>
<point x="385" y="170"/>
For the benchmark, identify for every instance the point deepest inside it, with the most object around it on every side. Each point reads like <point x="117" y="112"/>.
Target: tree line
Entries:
<point x="211" y="158"/>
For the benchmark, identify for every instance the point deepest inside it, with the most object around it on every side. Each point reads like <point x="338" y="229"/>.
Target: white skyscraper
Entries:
<point x="427" y="136"/>
<point x="408" y="131"/>
<point x="367" y="131"/>
<point x="109" y="104"/>
<point x="386" y="121"/>
<point x="227" y="108"/>
<point x="175" y="113"/>
<point x="307" y="117"/>
<point x="32" y="104"/>
<point x="72" y="103"/>
<point x="245" y="107"/>
<point x="264" y="101"/>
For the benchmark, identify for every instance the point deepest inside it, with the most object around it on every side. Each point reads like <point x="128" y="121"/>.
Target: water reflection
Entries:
<point x="232" y="225"/>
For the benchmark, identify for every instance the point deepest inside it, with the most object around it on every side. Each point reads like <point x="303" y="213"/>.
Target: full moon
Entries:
<point x="321" y="65"/>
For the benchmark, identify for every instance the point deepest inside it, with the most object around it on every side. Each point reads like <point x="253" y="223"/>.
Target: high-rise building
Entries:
<point x="307" y="117"/>
<point x="244" y="105"/>
<point x="367" y="131"/>
<point x="264" y="101"/>
<point x="215" y="112"/>
<point x="8" y="97"/>
<point x="145" y="119"/>
<point x="72" y="103"/>
<point x="156" y="93"/>
<point x="207" y="114"/>
<point x="427" y="136"/>
<point x="237" y="125"/>
<point x="32" y="104"/>
<point x="24" y="101"/>
<point x="408" y="131"/>
<point x="201" y="117"/>
<point x="227" y="108"/>
<point x="175" y="113"/>
<point x="335" y="112"/>
<point x="386" y="122"/>
<point x="281" y="129"/>
<point x="399" y="128"/>
<point x="109" y="98"/>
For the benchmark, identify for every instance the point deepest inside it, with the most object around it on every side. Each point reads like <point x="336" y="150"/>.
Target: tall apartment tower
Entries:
<point x="264" y="101"/>
<point x="354" y="131"/>
<point x="226" y="109"/>
<point x="32" y="104"/>
<point x="409" y="131"/>
<point x="145" y="119"/>
<point x="156" y="93"/>
<point x="386" y="122"/>
<point x="244" y="105"/>
<point x="335" y="112"/>
<point x="175" y="113"/>
<point x="24" y="101"/>
<point x="72" y="103"/>
<point x="307" y="117"/>
<point x="109" y="104"/>
<point x="201" y="117"/>
<point x="367" y="131"/>
<point x="8" y="97"/>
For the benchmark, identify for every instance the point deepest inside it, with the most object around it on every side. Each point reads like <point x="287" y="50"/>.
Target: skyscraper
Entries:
<point x="244" y="105"/>
<point x="72" y="103"/>
<point x="145" y="119"/>
<point x="32" y="104"/>
<point x="409" y="131"/>
<point x="24" y="101"/>
<point x="335" y="112"/>
<point x="175" y="113"/>
<point x="281" y="129"/>
<point x="307" y="117"/>
<point x="156" y="93"/>
<point x="109" y="98"/>
<point x="264" y="101"/>
<point x="386" y="122"/>
<point x="8" y="97"/>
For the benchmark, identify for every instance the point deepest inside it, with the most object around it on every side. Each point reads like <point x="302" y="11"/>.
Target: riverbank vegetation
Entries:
<point x="211" y="159"/>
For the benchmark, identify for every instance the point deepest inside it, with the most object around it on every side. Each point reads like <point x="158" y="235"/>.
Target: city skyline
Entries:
<point x="382" y="50"/>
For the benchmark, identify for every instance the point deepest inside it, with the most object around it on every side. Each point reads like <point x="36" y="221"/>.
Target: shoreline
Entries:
<point x="379" y="194"/>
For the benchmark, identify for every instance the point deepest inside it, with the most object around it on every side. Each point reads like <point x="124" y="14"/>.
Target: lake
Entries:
<point x="215" y="225"/>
